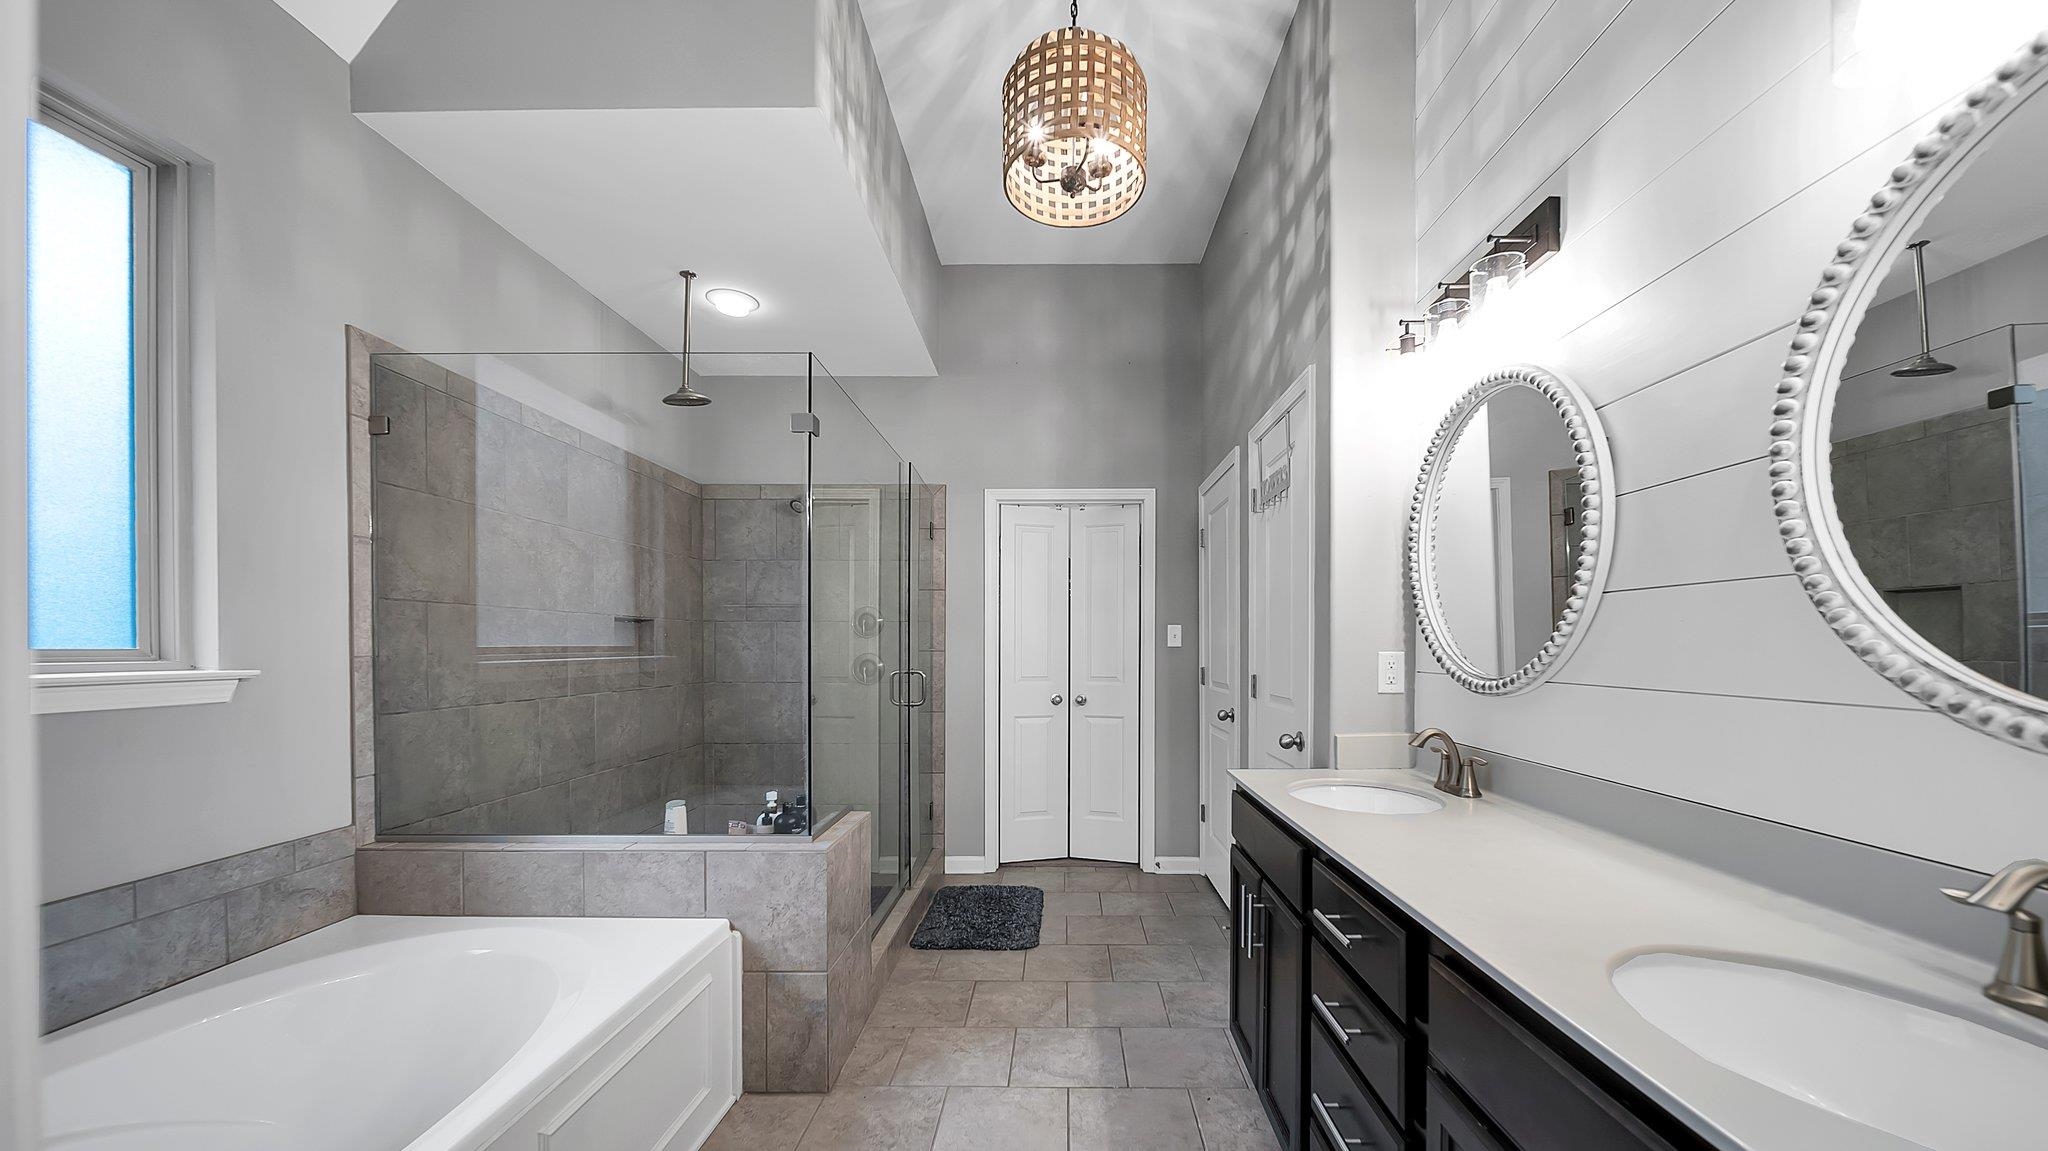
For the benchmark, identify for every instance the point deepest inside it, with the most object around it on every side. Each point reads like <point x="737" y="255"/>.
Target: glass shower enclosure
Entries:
<point x="601" y="610"/>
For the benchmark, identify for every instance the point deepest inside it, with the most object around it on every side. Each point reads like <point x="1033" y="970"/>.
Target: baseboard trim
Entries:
<point x="1179" y="865"/>
<point x="969" y="865"/>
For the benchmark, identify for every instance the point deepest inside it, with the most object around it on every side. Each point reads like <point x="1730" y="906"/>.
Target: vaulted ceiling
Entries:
<point x="1206" y="66"/>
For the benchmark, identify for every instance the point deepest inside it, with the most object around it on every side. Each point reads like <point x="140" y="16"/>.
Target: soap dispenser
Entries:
<point x="764" y="823"/>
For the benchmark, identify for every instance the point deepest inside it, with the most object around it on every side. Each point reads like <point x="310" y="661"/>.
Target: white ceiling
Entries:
<point x="625" y="197"/>
<point x="1206" y="66"/>
<point x="345" y="25"/>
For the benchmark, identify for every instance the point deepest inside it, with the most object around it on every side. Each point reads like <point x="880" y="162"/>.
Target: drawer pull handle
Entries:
<point x="1252" y="942"/>
<point x="1322" y="1111"/>
<point x="1330" y="928"/>
<point x="1338" y="1031"/>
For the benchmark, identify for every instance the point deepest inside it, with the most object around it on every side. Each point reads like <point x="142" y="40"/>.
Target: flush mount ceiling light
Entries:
<point x="732" y="301"/>
<point x="1074" y="128"/>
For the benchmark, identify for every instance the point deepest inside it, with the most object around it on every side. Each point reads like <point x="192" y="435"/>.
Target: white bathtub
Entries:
<point x="385" y="1032"/>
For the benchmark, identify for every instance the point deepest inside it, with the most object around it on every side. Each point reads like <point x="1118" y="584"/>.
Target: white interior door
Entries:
<point x="1282" y="536"/>
<point x="1217" y="615"/>
<point x="1032" y="810"/>
<point x="1104" y="677"/>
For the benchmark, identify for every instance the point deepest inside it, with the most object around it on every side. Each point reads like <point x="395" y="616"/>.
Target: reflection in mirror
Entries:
<point x="1939" y="437"/>
<point x="1506" y="530"/>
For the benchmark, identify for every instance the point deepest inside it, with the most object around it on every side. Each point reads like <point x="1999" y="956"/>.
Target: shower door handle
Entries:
<point x="924" y="696"/>
<point x="895" y="696"/>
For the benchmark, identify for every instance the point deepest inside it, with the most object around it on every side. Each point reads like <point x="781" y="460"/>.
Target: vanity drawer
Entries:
<point x="1272" y="847"/>
<point x="1341" y="1112"/>
<point x="1528" y="1090"/>
<point x="1373" y="1044"/>
<point x="1362" y="937"/>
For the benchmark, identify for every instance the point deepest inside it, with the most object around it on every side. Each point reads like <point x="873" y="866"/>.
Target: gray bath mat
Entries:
<point x="983" y="917"/>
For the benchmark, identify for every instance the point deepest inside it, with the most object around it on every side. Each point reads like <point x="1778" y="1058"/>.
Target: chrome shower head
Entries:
<point x="1923" y="364"/>
<point x="685" y="396"/>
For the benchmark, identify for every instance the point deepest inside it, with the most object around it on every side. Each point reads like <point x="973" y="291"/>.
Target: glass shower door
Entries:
<point x="921" y="708"/>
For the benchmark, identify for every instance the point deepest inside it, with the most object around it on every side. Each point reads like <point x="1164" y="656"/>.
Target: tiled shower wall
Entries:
<point x="538" y="596"/>
<point x="754" y="644"/>
<point x="1928" y="509"/>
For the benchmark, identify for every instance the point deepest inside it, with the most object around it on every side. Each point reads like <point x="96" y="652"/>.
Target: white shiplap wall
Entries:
<point x="1709" y="165"/>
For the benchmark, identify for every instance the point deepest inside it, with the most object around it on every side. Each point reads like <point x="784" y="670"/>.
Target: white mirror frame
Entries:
<point x="1589" y="567"/>
<point x="1802" y="487"/>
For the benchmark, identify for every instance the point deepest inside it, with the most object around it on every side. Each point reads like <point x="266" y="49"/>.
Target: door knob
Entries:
<point x="1058" y="700"/>
<point x="1227" y="715"/>
<point x="1080" y="701"/>
<point x="1291" y="741"/>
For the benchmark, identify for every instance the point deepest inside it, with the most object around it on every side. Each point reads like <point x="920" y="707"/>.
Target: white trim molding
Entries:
<point x="60" y="693"/>
<point x="1180" y="865"/>
<point x="1802" y="483"/>
<point x="1147" y="500"/>
<point x="1589" y="568"/>
<point x="970" y="864"/>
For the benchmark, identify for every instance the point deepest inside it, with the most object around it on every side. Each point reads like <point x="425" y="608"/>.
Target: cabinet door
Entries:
<point x="1286" y="992"/>
<point x="1247" y="982"/>
<point x="1452" y="1126"/>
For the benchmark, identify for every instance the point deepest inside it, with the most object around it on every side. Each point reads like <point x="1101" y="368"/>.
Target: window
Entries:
<point x="92" y="389"/>
<point x="111" y="583"/>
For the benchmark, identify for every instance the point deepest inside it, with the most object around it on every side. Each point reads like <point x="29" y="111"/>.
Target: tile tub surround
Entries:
<point x="998" y="1061"/>
<point x="116" y="945"/>
<point x="799" y="905"/>
<point x="536" y="653"/>
<point x="754" y="643"/>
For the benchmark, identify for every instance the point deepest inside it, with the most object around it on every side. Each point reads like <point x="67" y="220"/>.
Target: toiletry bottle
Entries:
<point x="795" y="818"/>
<point x="764" y="823"/>
<point x="675" y="818"/>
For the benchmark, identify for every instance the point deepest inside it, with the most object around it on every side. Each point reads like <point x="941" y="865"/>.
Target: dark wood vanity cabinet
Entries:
<point x="1266" y="993"/>
<point x="1361" y="1030"/>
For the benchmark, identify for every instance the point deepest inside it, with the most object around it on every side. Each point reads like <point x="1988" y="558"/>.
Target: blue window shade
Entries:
<point x="81" y="396"/>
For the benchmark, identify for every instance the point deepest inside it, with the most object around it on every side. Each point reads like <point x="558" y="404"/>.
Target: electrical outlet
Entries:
<point x="1173" y="635"/>
<point x="1393" y="672"/>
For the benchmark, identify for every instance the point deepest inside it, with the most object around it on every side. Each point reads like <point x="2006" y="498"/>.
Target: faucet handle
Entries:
<point x="2007" y="890"/>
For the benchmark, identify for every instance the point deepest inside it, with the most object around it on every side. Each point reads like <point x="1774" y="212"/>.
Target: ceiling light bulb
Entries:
<point x="732" y="301"/>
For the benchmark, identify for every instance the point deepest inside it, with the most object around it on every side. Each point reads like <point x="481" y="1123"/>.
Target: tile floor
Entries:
<point x="1108" y="1036"/>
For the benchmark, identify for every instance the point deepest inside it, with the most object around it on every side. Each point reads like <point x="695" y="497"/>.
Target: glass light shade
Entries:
<point x="1443" y="316"/>
<point x="1496" y="275"/>
<point x="1074" y="129"/>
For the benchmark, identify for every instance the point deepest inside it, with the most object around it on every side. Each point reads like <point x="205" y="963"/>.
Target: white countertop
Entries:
<point x="1549" y="907"/>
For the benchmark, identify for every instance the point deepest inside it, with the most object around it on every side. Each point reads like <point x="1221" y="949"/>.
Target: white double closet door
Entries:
<point x="1067" y="752"/>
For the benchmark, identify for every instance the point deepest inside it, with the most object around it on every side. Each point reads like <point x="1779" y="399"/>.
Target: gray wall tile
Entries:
<point x="290" y="906"/>
<point x="325" y="847"/>
<point x="402" y="882"/>
<point x="86" y="976"/>
<point x="644" y="883"/>
<point x="798" y="1040"/>
<point x="84" y="914"/>
<point x="160" y="893"/>
<point x="522" y="882"/>
<point x="773" y="900"/>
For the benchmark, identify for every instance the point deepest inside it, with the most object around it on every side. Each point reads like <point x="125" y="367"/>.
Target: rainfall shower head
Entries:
<point x="1923" y="364"/>
<point x="685" y="396"/>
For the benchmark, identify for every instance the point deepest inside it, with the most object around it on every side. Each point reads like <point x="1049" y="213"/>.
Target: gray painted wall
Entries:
<point x="19" y="1129"/>
<point x="1266" y="294"/>
<point x="312" y="211"/>
<point x="1035" y="390"/>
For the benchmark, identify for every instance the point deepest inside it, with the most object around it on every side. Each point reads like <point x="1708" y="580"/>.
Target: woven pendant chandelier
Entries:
<point x="1074" y="128"/>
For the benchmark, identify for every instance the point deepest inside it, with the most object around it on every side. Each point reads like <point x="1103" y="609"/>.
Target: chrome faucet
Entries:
<point x="2022" y="978"/>
<point x="1454" y="774"/>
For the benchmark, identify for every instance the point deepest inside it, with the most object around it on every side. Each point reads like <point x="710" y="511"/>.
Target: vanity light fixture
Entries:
<point x="732" y="302"/>
<point x="1074" y="123"/>
<point x="1510" y="255"/>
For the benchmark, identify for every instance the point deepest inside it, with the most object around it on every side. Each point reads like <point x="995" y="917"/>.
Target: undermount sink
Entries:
<point x="1368" y="798"/>
<point x="1936" y="1079"/>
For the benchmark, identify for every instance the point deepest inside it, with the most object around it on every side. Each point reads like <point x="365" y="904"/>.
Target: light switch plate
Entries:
<point x="1393" y="672"/>
<point x="1173" y="635"/>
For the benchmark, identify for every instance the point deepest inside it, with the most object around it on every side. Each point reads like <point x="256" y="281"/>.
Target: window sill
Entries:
<point x="59" y="693"/>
